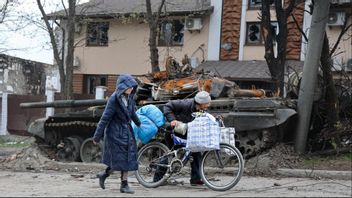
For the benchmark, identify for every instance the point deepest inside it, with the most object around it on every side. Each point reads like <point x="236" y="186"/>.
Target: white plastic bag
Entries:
<point x="227" y="135"/>
<point x="203" y="133"/>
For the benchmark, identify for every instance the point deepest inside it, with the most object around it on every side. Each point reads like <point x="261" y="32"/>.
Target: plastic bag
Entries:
<point x="203" y="133"/>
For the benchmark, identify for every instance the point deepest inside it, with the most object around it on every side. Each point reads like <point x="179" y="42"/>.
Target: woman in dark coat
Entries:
<point x="120" y="149"/>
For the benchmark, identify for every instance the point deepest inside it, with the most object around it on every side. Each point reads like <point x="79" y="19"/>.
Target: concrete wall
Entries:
<point x="19" y="76"/>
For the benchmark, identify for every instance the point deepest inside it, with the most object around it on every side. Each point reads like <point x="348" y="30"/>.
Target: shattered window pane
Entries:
<point x="171" y="33"/>
<point x="97" y="34"/>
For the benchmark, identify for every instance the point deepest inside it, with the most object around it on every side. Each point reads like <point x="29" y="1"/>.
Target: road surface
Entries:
<point x="61" y="184"/>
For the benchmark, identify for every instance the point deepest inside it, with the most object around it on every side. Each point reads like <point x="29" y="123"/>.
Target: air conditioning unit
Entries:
<point x="336" y="18"/>
<point x="78" y="28"/>
<point x="349" y="65"/>
<point x="193" y="24"/>
<point x="340" y="1"/>
<point x="76" y="62"/>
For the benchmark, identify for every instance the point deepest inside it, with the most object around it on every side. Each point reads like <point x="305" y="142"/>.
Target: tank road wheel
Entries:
<point x="69" y="150"/>
<point x="51" y="137"/>
<point x="90" y="152"/>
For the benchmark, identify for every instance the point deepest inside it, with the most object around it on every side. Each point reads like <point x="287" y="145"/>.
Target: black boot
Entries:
<point x="102" y="177"/>
<point x="125" y="188"/>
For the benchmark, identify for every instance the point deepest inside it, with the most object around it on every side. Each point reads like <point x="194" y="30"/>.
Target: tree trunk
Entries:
<point x="70" y="48"/>
<point x="54" y="45"/>
<point x="154" y="53"/>
<point x="153" y="22"/>
<point x="276" y="64"/>
<point x="330" y="93"/>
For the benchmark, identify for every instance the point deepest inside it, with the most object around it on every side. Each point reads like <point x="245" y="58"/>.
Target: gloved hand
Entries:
<point x="181" y="128"/>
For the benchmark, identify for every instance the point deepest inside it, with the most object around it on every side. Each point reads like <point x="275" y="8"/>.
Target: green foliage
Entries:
<point x="316" y="159"/>
<point x="9" y="144"/>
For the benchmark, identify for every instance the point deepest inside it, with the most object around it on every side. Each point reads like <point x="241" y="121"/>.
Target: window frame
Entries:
<point x="261" y="42"/>
<point x="162" y="43"/>
<point x="258" y="7"/>
<point x="87" y="87"/>
<point x="100" y="32"/>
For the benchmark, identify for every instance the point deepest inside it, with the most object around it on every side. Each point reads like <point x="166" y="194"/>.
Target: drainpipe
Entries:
<point x="307" y="19"/>
<point x="214" y="38"/>
<point x="243" y="29"/>
<point x="3" y="129"/>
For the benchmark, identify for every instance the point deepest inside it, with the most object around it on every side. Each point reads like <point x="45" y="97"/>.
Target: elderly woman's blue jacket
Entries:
<point x="120" y="150"/>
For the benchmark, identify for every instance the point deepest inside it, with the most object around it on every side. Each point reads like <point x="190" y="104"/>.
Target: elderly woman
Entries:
<point x="120" y="150"/>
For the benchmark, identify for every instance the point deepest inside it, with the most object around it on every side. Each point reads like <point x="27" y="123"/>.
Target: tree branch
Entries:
<point x="3" y="11"/>
<point x="299" y="28"/>
<point x="160" y="9"/>
<point x="290" y="7"/>
<point x="343" y="31"/>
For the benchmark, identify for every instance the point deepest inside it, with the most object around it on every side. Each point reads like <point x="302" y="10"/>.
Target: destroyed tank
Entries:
<point x="259" y="121"/>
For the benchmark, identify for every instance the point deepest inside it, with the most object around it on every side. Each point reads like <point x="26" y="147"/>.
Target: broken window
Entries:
<point x="91" y="81"/>
<point x="254" y="33"/>
<point x="97" y="34"/>
<point x="257" y="4"/>
<point x="171" y="33"/>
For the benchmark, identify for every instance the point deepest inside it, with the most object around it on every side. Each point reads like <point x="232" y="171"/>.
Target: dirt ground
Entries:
<point x="35" y="173"/>
<point x="25" y="155"/>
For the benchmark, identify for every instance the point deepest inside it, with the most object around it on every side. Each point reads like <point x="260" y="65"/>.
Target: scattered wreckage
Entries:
<point x="260" y="121"/>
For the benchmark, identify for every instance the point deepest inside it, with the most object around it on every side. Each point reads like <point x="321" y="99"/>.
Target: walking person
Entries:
<point x="181" y="111"/>
<point x="120" y="149"/>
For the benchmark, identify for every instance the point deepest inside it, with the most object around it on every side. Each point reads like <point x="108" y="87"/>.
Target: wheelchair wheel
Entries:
<point x="153" y="165"/>
<point x="222" y="169"/>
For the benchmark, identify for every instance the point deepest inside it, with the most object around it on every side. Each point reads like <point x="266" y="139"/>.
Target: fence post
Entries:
<point x="100" y="92"/>
<point x="4" y="109"/>
<point x="50" y="95"/>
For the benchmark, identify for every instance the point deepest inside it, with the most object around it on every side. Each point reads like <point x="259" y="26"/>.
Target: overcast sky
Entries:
<point x="31" y="42"/>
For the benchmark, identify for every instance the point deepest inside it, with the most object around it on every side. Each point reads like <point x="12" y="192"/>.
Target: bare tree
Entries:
<point x="153" y="21"/>
<point x="65" y="60"/>
<point x="326" y="60"/>
<point x="3" y="10"/>
<point x="276" y="64"/>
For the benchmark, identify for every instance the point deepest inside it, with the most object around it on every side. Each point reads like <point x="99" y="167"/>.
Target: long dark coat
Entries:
<point x="120" y="150"/>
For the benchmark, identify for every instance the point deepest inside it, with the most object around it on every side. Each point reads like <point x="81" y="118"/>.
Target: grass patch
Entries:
<point x="316" y="160"/>
<point x="8" y="144"/>
<point x="347" y="156"/>
<point x="15" y="145"/>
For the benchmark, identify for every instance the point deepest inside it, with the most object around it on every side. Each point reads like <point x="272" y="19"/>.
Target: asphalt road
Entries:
<point x="61" y="184"/>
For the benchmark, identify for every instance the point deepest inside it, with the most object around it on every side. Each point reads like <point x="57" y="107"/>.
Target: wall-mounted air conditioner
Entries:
<point x="348" y="66"/>
<point x="78" y="28"/>
<point x="193" y="24"/>
<point x="336" y="18"/>
<point x="76" y="62"/>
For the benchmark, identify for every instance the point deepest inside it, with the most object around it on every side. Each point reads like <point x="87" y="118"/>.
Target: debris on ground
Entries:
<point x="35" y="159"/>
<point x="279" y="156"/>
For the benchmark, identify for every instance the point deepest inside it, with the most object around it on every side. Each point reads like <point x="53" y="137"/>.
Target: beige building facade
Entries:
<point x="128" y="51"/>
<point x="229" y="31"/>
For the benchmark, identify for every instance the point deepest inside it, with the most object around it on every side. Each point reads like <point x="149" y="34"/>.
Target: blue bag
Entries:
<point x="153" y="113"/>
<point x="146" y="131"/>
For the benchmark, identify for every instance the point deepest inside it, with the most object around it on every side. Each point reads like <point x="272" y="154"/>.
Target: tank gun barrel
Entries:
<point x="64" y="103"/>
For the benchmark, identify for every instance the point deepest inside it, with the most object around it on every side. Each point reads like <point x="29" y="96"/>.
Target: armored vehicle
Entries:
<point x="260" y="120"/>
<point x="259" y="123"/>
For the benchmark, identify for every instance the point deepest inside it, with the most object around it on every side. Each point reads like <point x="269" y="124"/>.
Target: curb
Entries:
<point x="310" y="173"/>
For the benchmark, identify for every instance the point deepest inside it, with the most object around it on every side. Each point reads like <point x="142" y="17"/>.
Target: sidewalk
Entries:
<point x="310" y="173"/>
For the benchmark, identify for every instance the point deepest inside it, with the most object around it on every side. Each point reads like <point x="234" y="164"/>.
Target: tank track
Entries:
<point x="66" y="139"/>
<point x="252" y="143"/>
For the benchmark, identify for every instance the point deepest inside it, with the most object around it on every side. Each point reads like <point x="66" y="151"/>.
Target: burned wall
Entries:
<point x="20" y="76"/>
